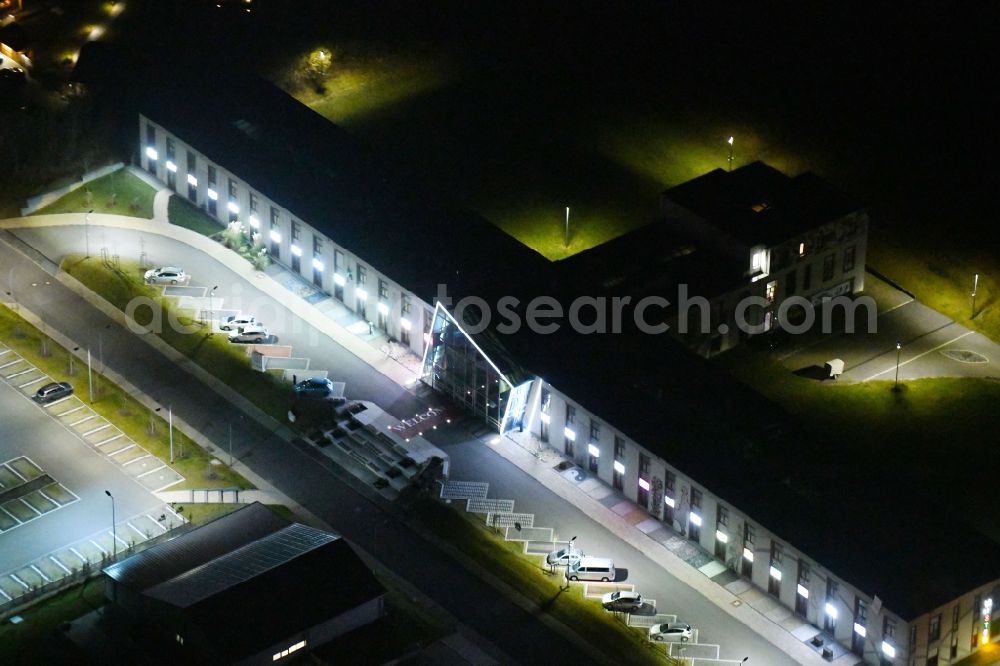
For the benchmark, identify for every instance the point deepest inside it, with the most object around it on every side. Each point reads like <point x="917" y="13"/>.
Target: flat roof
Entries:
<point x="757" y="204"/>
<point x="325" y="178"/>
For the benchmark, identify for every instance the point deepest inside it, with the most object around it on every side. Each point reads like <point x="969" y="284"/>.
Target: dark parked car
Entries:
<point x="314" y="387"/>
<point x="52" y="392"/>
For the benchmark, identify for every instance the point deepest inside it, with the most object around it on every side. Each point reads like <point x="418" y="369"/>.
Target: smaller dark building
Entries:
<point x="246" y="588"/>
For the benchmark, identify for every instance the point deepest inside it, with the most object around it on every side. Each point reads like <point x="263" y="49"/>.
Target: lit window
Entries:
<point x="569" y="434"/>
<point x="888" y="649"/>
<point x="721" y="536"/>
<point x="383" y="309"/>
<point x="296" y="250"/>
<point x="192" y="181"/>
<point x="803" y="591"/>
<point x="339" y="280"/>
<point x="317" y="264"/>
<point x="747" y="554"/>
<point x="545" y="417"/>
<point x="275" y="236"/>
<point x="171" y="166"/>
<point x="669" y="501"/>
<point x="802" y="249"/>
<point x="831" y="610"/>
<point x="695" y="519"/>
<point x="775" y="572"/>
<point x="151" y="153"/>
<point x="593" y="450"/>
<point x="212" y="194"/>
<point x="361" y="294"/>
<point x="254" y="222"/>
<point x="233" y="207"/>
<point x="405" y="323"/>
<point x="620" y="468"/>
<point x="860" y="630"/>
<point x="644" y="484"/>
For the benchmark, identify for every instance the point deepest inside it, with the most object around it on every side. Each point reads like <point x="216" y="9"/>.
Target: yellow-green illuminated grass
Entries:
<point x="360" y="88"/>
<point x="507" y="561"/>
<point x="134" y="197"/>
<point x="941" y="274"/>
<point x="988" y="655"/>
<point x="213" y="352"/>
<point x="118" y="407"/>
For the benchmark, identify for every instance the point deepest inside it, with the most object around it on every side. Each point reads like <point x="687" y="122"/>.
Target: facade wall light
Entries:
<point x="669" y="501"/>
<point x="747" y="554"/>
<point x="361" y="294"/>
<point x="171" y="167"/>
<point x="860" y="630"/>
<point x="888" y="649"/>
<point x="620" y="468"/>
<point x="405" y="323"/>
<point x="569" y="434"/>
<point x="296" y="250"/>
<point x="275" y="236"/>
<point x="644" y="484"/>
<point x="383" y="309"/>
<point x="775" y="572"/>
<point x="695" y="519"/>
<point x="339" y="279"/>
<point x="721" y="536"/>
<point x="830" y="610"/>
<point x="545" y="418"/>
<point x="802" y="590"/>
<point x="151" y="153"/>
<point x="593" y="451"/>
<point x="192" y="180"/>
<point x="212" y="194"/>
<point x="233" y="207"/>
<point x="317" y="264"/>
<point x="254" y="221"/>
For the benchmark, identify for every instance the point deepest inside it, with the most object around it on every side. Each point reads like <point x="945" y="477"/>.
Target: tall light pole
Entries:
<point x="114" y="533"/>
<point x="211" y="305"/>
<point x="90" y="378"/>
<point x="86" y="230"/>
<point x="230" y="443"/>
<point x="975" y="288"/>
<point x="899" y="346"/>
<point x="566" y="234"/>
<point x="170" y="427"/>
<point x="730" y="153"/>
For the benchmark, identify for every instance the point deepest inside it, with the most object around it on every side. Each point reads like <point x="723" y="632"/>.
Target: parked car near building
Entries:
<point x="673" y="632"/>
<point x="236" y="322"/>
<point x="52" y="392"/>
<point x="254" y="334"/>
<point x="314" y="387"/>
<point x="166" y="275"/>
<point x="622" y="601"/>
<point x="564" y="556"/>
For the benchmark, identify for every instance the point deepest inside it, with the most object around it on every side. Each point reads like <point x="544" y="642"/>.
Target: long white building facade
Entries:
<point x="491" y="379"/>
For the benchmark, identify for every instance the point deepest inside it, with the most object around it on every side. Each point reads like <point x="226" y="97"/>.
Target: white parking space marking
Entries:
<point x="83" y="560"/>
<point x="18" y="580"/>
<point x="159" y="524"/>
<point x="41" y="573"/>
<point x="55" y="560"/>
<point x="83" y="420"/>
<point x="147" y="473"/>
<point x="98" y="546"/>
<point x="33" y="381"/>
<point x="9" y="598"/>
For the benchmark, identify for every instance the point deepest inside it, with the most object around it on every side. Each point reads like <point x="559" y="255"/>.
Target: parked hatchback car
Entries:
<point x="236" y="322"/>
<point x="52" y="392"/>
<point x="166" y="275"/>
<point x="622" y="601"/>
<point x="672" y="632"/>
<point x="314" y="387"/>
<point x="564" y="556"/>
<point x="254" y="333"/>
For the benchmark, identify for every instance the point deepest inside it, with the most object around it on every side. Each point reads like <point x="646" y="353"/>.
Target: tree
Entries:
<point x="317" y="68"/>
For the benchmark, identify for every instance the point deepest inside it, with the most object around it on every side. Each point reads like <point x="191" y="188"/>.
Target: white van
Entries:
<point x="592" y="568"/>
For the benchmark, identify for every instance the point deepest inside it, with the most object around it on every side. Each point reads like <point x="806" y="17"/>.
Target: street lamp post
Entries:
<point x="975" y="288"/>
<point x="114" y="533"/>
<point x="566" y="233"/>
<point x="211" y="305"/>
<point x="90" y="379"/>
<point x="230" y="443"/>
<point x="86" y="230"/>
<point x="730" y="142"/>
<point x="899" y="346"/>
<point x="170" y="427"/>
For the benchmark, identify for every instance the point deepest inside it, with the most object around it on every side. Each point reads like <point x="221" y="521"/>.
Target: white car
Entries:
<point x="236" y="322"/>
<point x="166" y="275"/>
<point x="673" y="632"/>
<point x="255" y="333"/>
<point x="564" y="556"/>
<point x="622" y="601"/>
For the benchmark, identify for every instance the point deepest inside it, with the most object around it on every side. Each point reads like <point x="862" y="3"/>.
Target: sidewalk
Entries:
<point x="683" y="559"/>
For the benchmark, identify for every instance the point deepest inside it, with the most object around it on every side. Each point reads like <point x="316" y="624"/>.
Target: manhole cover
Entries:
<point x="965" y="356"/>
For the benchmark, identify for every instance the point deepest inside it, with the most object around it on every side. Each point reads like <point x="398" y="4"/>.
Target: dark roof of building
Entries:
<point x="195" y="547"/>
<point x="15" y="36"/>
<point x="241" y="565"/>
<point x="318" y="585"/>
<point x="296" y="157"/>
<point x="653" y="259"/>
<point x="758" y="204"/>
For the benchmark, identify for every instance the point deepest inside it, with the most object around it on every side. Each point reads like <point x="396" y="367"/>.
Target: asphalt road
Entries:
<point x="28" y="430"/>
<point x="309" y="480"/>
<point x="472" y="460"/>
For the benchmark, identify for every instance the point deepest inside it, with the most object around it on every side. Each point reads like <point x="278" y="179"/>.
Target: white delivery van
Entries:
<point x="592" y="568"/>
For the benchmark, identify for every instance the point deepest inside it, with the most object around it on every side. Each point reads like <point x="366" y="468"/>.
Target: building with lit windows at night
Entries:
<point x="662" y="426"/>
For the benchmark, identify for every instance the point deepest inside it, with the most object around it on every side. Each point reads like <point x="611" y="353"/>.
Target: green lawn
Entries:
<point x="119" y="193"/>
<point x="507" y="561"/>
<point x="120" y="408"/>
<point x="898" y="435"/>
<point x="184" y="214"/>
<point x="36" y="640"/>
<point x="229" y="363"/>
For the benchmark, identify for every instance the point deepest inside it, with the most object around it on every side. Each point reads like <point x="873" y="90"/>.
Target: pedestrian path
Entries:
<point x="677" y="554"/>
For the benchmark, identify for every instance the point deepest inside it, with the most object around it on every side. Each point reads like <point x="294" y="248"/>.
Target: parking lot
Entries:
<point x="55" y="516"/>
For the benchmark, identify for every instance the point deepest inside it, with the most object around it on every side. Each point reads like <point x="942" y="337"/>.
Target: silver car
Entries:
<point x="672" y="632"/>
<point x="564" y="556"/>
<point x="236" y="322"/>
<point x="250" y="334"/>
<point x="166" y="275"/>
